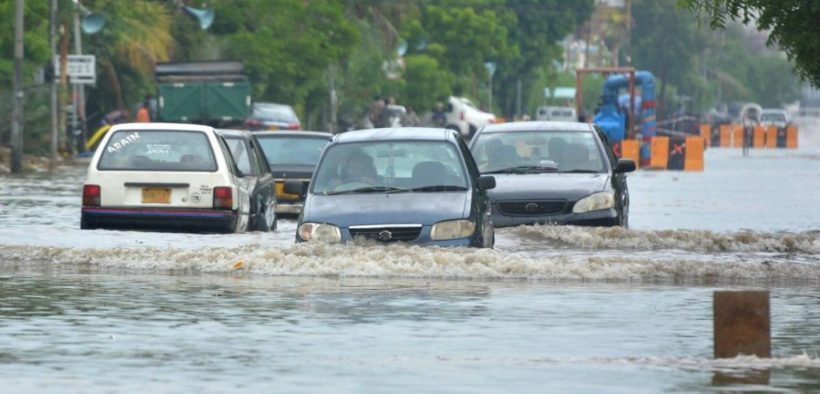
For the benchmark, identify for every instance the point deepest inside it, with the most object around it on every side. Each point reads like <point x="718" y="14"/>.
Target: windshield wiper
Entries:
<point x="369" y="189"/>
<point x="580" y="171"/>
<point x="522" y="170"/>
<point x="438" y="188"/>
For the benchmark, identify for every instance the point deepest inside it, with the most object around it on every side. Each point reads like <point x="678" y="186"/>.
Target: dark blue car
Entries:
<point x="415" y="185"/>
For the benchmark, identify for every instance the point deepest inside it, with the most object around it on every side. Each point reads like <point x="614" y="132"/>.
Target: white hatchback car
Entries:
<point x="164" y="176"/>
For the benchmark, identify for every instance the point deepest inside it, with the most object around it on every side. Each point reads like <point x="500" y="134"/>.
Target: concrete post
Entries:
<point x="742" y="324"/>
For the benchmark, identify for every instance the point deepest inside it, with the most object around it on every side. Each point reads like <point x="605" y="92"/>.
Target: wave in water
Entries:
<point x="414" y="262"/>
<point x="691" y="240"/>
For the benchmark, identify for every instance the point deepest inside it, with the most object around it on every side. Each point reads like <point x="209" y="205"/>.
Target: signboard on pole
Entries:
<point x="81" y="69"/>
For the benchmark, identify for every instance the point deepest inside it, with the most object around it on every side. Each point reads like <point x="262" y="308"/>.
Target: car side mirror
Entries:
<point x="625" y="165"/>
<point x="486" y="182"/>
<point x="294" y="187"/>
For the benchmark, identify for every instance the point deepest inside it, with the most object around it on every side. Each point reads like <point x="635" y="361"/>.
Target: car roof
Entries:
<point x="396" y="134"/>
<point x="162" y="126"/>
<point x="536" y="126"/>
<point x="299" y="133"/>
<point x="234" y="133"/>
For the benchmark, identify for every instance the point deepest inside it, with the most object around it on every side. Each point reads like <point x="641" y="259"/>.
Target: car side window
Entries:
<point x="472" y="167"/>
<point x="610" y="154"/>
<point x="228" y="156"/>
<point x="260" y="168"/>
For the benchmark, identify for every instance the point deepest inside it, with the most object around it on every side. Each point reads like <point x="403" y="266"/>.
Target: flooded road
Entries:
<point x="550" y="309"/>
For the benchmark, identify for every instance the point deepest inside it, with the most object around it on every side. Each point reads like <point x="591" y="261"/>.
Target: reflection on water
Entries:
<point x="213" y="333"/>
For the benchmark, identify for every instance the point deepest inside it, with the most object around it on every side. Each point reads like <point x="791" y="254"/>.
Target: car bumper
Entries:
<point x="603" y="218"/>
<point x="423" y="239"/>
<point x="196" y="220"/>
<point x="289" y="208"/>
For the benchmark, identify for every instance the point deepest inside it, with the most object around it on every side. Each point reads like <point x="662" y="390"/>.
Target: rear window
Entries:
<point x="275" y="113"/>
<point x="288" y="151"/>
<point x="158" y="150"/>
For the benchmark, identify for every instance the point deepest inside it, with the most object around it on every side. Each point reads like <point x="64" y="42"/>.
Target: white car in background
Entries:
<point x="164" y="176"/>
<point x="774" y="117"/>
<point x="463" y="116"/>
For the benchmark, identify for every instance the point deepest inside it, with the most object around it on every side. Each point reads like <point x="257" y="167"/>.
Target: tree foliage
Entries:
<point x="794" y="26"/>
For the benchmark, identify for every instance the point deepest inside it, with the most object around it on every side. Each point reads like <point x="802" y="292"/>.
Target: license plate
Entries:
<point x="153" y="195"/>
<point x="273" y="128"/>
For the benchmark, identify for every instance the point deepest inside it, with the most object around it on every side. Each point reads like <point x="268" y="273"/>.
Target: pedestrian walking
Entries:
<point x="144" y="115"/>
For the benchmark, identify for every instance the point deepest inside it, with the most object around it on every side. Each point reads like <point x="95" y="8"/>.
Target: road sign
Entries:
<point x="81" y="69"/>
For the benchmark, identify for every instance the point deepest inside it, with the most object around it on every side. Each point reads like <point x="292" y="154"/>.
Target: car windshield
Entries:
<point x="538" y="151"/>
<point x="274" y="112"/>
<point x="158" y="150"/>
<point x="292" y="150"/>
<point x="240" y="154"/>
<point x="390" y="166"/>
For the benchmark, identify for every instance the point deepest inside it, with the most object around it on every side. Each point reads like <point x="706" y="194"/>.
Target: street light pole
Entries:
<point x="52" y="43"/>
<point x="17" y="111"/>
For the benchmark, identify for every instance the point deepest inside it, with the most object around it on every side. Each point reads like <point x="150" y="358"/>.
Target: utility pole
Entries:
<point x="52" y="43"/>
<point x="628" y="33"/>
<point x="331" y="71"/>
<point x="63" y="92"/>
<point x="79" y="105"/>
<point x="17" y="111"/>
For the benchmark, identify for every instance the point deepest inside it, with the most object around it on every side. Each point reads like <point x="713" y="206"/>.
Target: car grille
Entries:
<point x="387" y="233"/>
<point x="543" y="207"/>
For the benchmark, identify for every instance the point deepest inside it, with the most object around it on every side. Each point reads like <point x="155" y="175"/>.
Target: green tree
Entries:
<point x="666" y="42"/>
<point x="426" y="82"/>
<point x="794" y="26"/>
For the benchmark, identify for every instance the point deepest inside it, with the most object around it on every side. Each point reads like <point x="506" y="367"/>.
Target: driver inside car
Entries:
<point x="358" y="168"/>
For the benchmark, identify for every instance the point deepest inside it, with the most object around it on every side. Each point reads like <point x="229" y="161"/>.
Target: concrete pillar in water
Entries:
<point x="742" y="324"/>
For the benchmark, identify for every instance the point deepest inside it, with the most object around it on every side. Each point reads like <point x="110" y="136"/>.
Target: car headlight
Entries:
<point x="320" y="232"/>
<point x="594" y="202"/>
<point x="452" y="229"/>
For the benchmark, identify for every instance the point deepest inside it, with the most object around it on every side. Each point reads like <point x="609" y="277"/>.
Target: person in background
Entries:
<point x="439" y="118"/>
<point x="143" y="114"/>
<point x="411" y="119"/>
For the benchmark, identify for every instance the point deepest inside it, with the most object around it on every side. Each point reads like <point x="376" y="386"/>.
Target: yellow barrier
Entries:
<point x="660" y="153"/>
<point x="771" y="137"/>
<point x="725" y="135"/>
<point x="737" y="136"/>
<point x="693" y="161"/>
<point x="759" y="137"/>
<point x="706" y="133"/>
<point x="631" y="149"/>
<point x="791" y="137"/>
<point x="95" y="138"/>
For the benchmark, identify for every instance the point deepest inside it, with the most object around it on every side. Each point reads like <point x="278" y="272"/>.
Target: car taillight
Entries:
<point x="461" y="116"/>
<point x="252" y="123"/>
<point x="91" y="195"/>
<point x="492" y="120"/>
<point x="294" y="126"/>
<point x="223" y="198"/>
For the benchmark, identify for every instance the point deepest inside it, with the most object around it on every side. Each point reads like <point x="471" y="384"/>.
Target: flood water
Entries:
<point x="551" y="309"/>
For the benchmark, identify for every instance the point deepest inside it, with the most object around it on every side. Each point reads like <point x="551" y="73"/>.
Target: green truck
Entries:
<point x="215" y="93"/>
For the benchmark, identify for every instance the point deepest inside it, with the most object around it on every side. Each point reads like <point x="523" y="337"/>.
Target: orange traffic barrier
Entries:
<point x="791" y="137"/>
<point x="693" y="159"/>
<point x="771" y="137"/>
<point x="759" y="137"/>
<point x="706" y="133"/>
<point x="737" y="136"/>
<point x="660" y="153"/>
<point x="725" y="135"/>
<point x="631" y="149"/>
